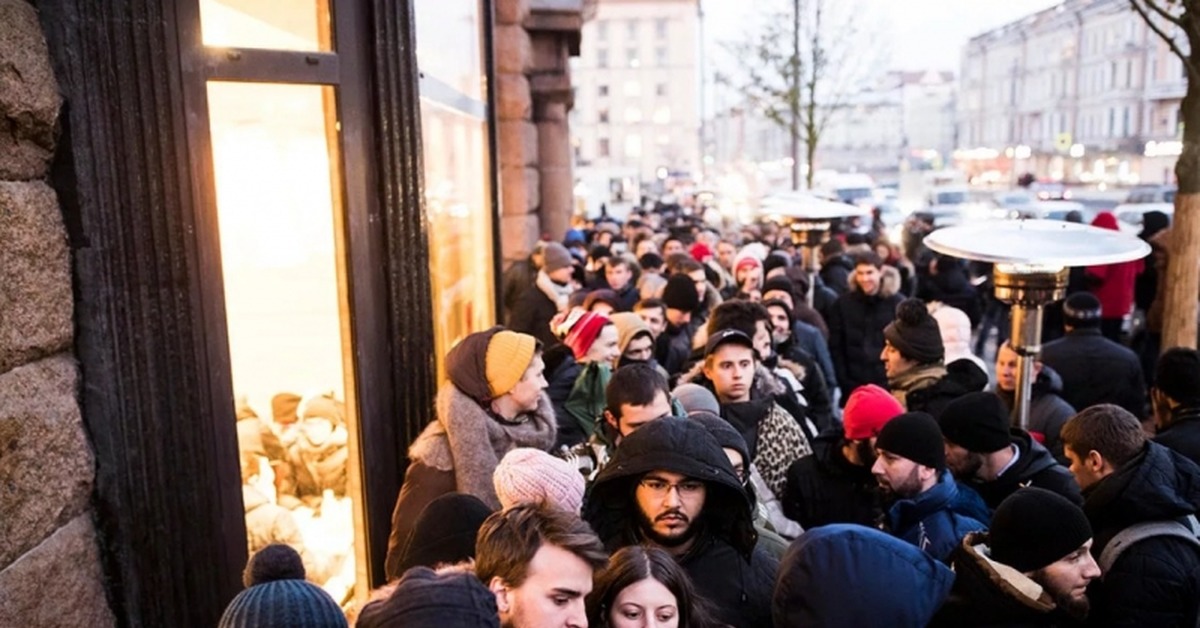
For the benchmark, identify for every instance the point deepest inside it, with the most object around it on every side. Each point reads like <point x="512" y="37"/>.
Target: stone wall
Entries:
<point x="50" y="571"/>
<point x="533" y="39"/>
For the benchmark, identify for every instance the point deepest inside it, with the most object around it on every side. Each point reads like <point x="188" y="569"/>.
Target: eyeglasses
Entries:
<point x="660" y="488"/>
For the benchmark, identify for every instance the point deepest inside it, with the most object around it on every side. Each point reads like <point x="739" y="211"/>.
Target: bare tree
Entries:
<point x="801" y="88"/>
<point x="1178" y="23"/>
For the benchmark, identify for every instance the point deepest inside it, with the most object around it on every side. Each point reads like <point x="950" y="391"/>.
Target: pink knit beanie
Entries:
<point x="532" y="476"/>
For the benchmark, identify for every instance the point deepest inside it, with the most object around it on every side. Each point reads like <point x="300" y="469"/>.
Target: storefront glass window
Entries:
<point x="454" y="125"/>
<point x="274" y="24"/>
<point x="278" y="189"/>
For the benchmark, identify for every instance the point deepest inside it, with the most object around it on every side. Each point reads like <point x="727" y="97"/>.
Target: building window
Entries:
<point x="602" y="147"/>
<point x="633" y="146"/>
<point x="602" y="116"/>
<point x="602" y="90"/>
<point x="631" y="29"/>
<point x="660" y="89"/>
<point x="633" y="88"/>
<point x="632" y="55"/>
<point x="633" y="115"/>
<point x="662" y="115"/>
<point x="660" y="56"/>
<point x="602" y="57"/>
<point x="602" y="30"/>
<point x="660" y="27"/>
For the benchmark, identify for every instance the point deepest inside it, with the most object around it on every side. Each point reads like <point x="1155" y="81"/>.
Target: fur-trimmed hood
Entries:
<point x="993" y="592"/>
<point x="765" y="383"/>
<point x="889" y="282"/>
<point x="468" y="440"/>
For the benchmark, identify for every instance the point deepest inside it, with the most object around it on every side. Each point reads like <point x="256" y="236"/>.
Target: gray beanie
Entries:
<point x="556" y="257"/>
<point x="696" y="398"/>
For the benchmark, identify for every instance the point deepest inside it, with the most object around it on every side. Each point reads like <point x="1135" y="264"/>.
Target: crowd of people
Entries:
<point x="683" y="427"/>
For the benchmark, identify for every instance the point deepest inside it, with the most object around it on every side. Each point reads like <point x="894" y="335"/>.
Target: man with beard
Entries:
<point x="539" y="564"/>
<point x="671" y="485"/>
<point x="1141" y="499"/>
<point x="835" y="484"/>
<point x="1032" y="568"/>
<point x="927" y="508"/>
<point x="914" y="359"/>
<point x="988" y="455"/>
<point x="1175" y="398"/>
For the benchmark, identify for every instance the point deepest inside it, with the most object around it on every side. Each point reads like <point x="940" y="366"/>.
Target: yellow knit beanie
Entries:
<point x="508" y="356"/>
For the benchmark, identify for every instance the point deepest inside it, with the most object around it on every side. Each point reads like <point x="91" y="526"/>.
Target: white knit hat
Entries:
<point x="532" y="476"/>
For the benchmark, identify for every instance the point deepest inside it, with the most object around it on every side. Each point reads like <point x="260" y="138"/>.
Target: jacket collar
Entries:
<point x="907" y="512"/>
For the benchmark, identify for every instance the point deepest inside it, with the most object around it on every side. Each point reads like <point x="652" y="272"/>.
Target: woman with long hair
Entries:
<point x="643" y="587"/>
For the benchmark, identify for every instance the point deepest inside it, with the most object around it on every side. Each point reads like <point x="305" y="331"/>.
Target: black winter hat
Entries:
<point x="726" y="435"/>
<point x="1034" y="527"/>
<point x="284" y="603"/>
<point x="914" y="435"/>
<point x="426" y="599"/>
<point x="780" y="283"/>
<point x="1082" y="309"/>
<point x="777" y="259"/>
<point x="680" y="293"/>
<point x="444" y="532"/>
<point x="273" y="562"/>
<point x="1178" y="375"/>
<point x="915" y="333"/>
<point x="977" y="421"/>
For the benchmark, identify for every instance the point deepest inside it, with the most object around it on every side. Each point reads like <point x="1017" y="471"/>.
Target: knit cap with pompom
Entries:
<point x="532" y="476"/>
<point x="915" y="333"/>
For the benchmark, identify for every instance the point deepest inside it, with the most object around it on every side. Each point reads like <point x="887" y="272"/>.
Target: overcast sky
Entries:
<point x="923" y="34"/>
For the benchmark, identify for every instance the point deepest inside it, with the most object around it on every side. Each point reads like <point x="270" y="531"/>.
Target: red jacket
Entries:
<point x="1113" y="283"/>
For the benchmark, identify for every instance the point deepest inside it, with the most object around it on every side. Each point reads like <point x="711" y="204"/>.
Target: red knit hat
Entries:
<point x="584" y="332"/>
<point x="700" y="252"/>
<point x="867" y="410"/>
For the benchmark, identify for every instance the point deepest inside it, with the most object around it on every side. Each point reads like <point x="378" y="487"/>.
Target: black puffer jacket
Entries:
<point x="835" y="273"/>
<point x="673" y="347"/>
<point x="723" y="562"/>
<point x="951" y="286"/>
<point x="1096" y="370"/>
<point x="856" y="323"/>
<point x="826" y="488"/>
<point x="531" y="314"/>
<point x="1183" y="433"/>
<point x="1155" y="582"/>
<point x="1034" y="467"/>
<point x="1048" y="411"/>
<point x="962" y="376"/>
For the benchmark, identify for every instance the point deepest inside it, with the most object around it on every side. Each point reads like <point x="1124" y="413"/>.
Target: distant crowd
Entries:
<point x="683" y="427"/>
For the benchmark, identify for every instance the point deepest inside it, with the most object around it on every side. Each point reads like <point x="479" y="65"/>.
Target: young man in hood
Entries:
<point x="835" y="484"/>
<point x="674" y="345"/>
<point x="913" y="357"/>
<point x="856" y="322"/>
<point x="1129" y="482"/>
<point x="671" y="485"/>
<point x="988" y="455"/>
<point x="1048" y="412"/>
<point x="1175" y="397"/>
<point x="926" y="507"/>
<point x="494" y="401"/>
<point x="1032" y="568"/>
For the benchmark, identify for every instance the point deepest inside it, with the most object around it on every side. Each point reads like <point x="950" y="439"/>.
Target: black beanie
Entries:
<point x="1082" y="309"/>
<point x="915" y="334"/>
<point x="777" y="259"/>
<point x="977" y="421"/>
<point x="727" y="436"/>
<point x="781" y="283"/>
<point x="273" y="562"/>
<point x="914" y="435"/>
<point x="680" y="293"/>
<point x="1034" y="527"/>
<point x="444" y="532"/>
<point x="1178" y="375"/>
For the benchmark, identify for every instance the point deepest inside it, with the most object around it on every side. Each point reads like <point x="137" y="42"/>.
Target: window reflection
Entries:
<point x="278" y="206"/>
<point x="272" y="24"/>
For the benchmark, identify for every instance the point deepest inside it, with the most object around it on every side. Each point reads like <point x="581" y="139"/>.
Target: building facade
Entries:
<point x="637" y="92"/>
<point x="227" y="214"/>
<point x="1081" y="92"/>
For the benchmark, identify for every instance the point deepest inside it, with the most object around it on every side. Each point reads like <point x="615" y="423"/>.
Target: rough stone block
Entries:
<point x="519" y="191"/>
<point x="58" y="583"/>
<point x="29" y="98"/>
<point x="558" y="200"/>
<point x="554" y="144"/>
<point x="518" y="141"/>
<point x="46" y="469"/>
<point x="36" y="301"/>
<point x="511" y="11"/>
<point x="513" y="99"/>
<point x="518" y="234"/>
<point x="514" y="50"/>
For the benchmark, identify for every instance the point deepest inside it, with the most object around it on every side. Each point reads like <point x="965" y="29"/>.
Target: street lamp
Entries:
<point x="1031" y="258"/>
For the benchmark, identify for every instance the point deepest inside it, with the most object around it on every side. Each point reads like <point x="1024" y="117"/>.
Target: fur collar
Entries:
<point x="889" y="282"/>
<point x="467" y="440"/>
<point x="915" y="379"/>
<point x="766" y="384"/>
<point x="1013" y="584"/>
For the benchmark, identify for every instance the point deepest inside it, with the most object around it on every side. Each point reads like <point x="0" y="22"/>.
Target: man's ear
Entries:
<point x="1037" y="368"/>
<point x="1094" y="461"/>
<point x="611" y="420"/>
<point x="500" y="590"/>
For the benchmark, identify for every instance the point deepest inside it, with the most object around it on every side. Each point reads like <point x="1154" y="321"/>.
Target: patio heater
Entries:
<point x="1031" y="260"/>
<point x="810" y="220"/>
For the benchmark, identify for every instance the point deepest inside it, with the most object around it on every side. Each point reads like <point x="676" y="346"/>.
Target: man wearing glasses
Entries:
<point x="670" y="484"/>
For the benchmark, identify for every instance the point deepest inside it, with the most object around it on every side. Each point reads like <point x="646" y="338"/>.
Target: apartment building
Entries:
<point x="1083" y="91"/>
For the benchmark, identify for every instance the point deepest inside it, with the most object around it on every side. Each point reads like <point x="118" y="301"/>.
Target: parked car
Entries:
<point x="1050" y="191"/>
<point x="1130" y="215"/>
<point x="1151" y="194"/>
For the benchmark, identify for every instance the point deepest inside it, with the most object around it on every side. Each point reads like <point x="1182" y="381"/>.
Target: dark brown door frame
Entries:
<point x="135" y="180"/>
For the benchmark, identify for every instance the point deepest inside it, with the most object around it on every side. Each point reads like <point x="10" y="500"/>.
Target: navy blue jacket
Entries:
<point x="851" y="576"/>
<point x="938" y="519"/>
